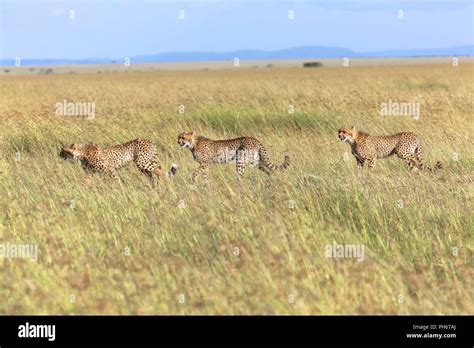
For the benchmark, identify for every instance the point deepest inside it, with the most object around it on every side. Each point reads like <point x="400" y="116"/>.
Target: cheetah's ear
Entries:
<point x="353" y="128"/>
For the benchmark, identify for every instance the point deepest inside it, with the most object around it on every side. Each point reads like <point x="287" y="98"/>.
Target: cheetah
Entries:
<point x="242" y="151"/>
<point x="95" y="158"/>
<point x="366" y="147"/>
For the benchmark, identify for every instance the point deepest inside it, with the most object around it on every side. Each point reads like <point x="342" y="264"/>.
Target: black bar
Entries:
<point x="288" y="330"/>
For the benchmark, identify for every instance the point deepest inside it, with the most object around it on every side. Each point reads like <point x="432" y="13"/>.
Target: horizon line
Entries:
<point x="350" y="53"/>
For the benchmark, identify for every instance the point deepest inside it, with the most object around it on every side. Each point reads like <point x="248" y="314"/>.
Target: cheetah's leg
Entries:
<point x="419" y="154"/>
<point x="409" y="164"/>
<point x="113" y="174"/>
<point x="360" y="163"/>
<point x="203" y="170"/>
<point x="412" y="161"/>
<point x="158" y="172"/>
<point x="241" y="169"/>
<point x="264" y="168"/>
<point x="371" y="163"/>
<point x="151" y="169"/>
<point x="195" y="175"/>
<point x="152" y="176"/>
<point x="419" y="158"/>
<point x="240" y="164"/>
<point x="89" y="176"/>
<point x="145" y="172"/>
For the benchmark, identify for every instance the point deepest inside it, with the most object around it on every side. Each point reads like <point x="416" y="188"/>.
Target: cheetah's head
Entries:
<point x="348" y="135"/>
<point x="75" y="151"/>
<point x="186" y="139"/>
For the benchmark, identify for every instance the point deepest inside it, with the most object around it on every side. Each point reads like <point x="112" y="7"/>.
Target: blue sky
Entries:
<point x="115" y="29"/>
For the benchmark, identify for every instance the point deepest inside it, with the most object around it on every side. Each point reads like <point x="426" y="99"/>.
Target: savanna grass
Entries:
<point x="250" y="247"/>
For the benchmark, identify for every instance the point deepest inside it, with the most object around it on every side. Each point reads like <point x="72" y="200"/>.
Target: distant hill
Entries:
<point x="289" y="53"/>
<point x="305" y="52"/>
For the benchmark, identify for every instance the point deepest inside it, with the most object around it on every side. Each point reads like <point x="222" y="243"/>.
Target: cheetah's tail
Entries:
<point x="268" y="163"/>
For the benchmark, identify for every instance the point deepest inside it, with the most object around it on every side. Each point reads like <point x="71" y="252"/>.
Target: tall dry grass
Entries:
<point x="256" y="247"/>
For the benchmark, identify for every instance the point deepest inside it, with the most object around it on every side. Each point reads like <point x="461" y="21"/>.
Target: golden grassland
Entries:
<point x="254" y="247"/>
